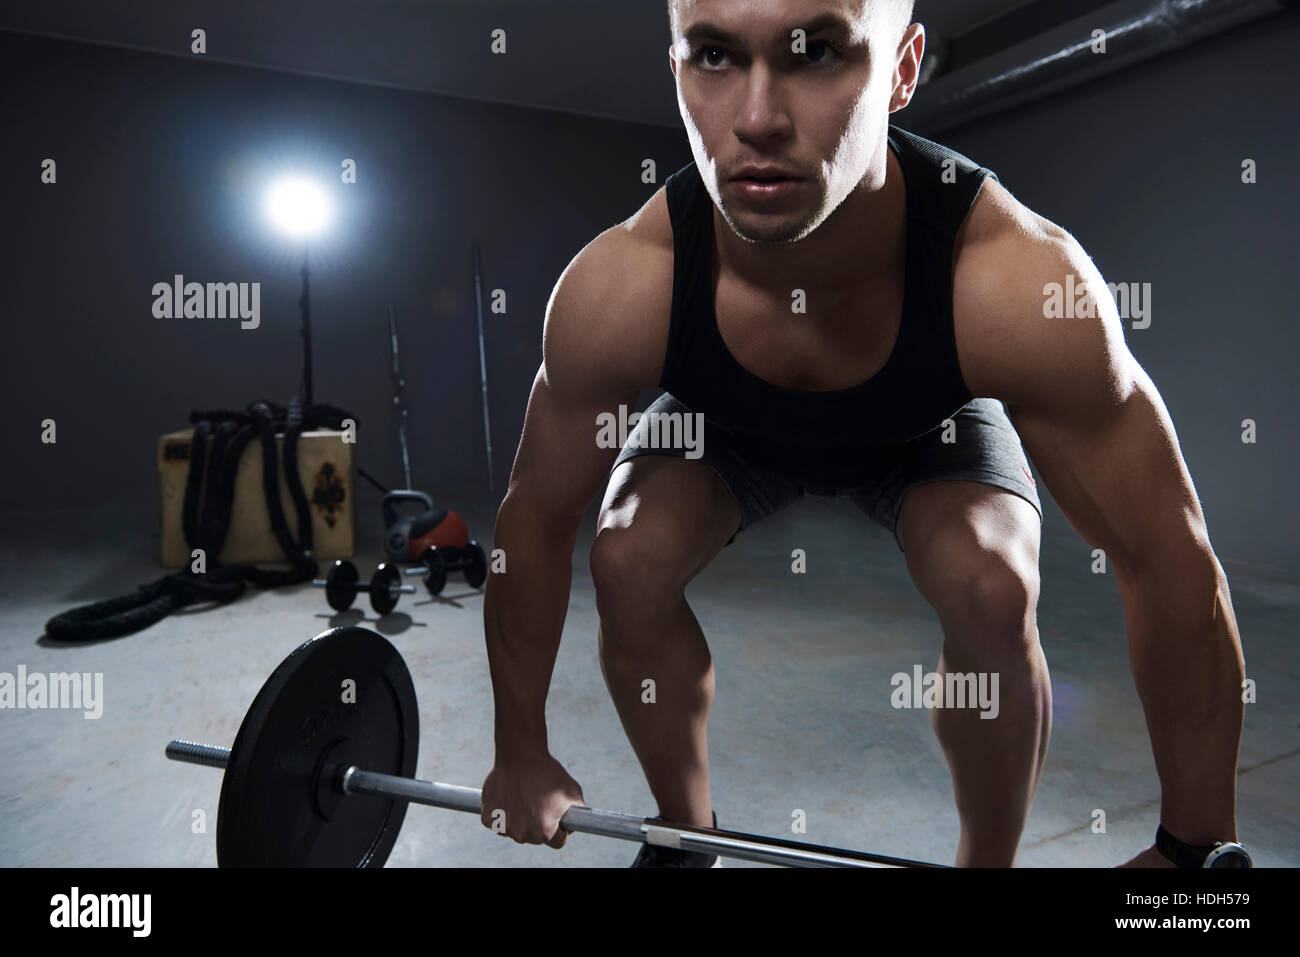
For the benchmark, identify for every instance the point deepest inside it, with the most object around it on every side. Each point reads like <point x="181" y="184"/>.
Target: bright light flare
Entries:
<point x="297" y="207"/>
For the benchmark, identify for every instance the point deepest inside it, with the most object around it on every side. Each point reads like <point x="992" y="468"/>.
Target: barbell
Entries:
<point x="322" y="769"/>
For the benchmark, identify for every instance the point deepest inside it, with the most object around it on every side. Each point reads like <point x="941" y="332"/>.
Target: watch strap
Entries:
<point x="1180" y="853"/>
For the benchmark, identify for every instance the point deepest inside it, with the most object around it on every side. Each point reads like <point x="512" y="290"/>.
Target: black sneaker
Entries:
<point x="655" y="855"/>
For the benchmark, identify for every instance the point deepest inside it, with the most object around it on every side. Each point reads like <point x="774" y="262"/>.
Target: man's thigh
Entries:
<point x="982" y="451"/>
<point x="961" y="537"/>
<point x="972" y="552"/>
<point x="662" y="518"/>
<point x="755" y="492"/>
<point x="970" y="525"/>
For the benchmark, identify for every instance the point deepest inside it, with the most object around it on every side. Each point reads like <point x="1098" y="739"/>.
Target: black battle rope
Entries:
<point x="194" y="479"/>
<point x="220" y="438"/>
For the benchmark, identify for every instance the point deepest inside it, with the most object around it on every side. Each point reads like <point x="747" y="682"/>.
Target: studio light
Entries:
<point x="297" y="207"/>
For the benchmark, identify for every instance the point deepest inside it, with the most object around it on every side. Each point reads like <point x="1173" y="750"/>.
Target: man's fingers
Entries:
<point x="561" y="835"/>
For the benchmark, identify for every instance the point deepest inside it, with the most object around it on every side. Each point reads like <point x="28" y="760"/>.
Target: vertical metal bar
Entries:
<point x="305" y="304"/>
<point x="482" y="366"/>
<point x="399" y="398"/>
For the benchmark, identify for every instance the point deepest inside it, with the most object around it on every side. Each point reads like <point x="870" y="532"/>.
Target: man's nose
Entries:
<point x="763" y="112"/>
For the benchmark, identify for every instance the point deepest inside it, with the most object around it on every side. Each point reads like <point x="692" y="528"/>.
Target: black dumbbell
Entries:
<point x="435" y="563"/>
<point x="342" y="584"/>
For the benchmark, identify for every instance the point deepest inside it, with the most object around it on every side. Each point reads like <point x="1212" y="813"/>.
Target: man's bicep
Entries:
<point x="600" y="348"/>
<point x="1051" y="347"/>
<point x="565" y="452"/>
<point x="1119" y="475"/>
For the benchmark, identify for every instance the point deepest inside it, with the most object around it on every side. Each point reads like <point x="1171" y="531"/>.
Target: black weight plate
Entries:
<point x="341" y="585"/>
<point x="279" y="804"/>
<point x="475" y="565"/>
<point x="435" y="577"/>
<point x="384" y="585"/>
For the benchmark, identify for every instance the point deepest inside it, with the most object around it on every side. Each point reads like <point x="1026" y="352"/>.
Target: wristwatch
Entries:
<point x="1218" y="854"/>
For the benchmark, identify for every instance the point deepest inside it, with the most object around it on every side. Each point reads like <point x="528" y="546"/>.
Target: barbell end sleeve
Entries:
<point x="192" y="752"/>
<point x="453" y="797"/>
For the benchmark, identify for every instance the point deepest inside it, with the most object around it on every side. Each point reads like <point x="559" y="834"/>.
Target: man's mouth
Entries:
<point x="757" y="175"/>
<point x="766" y="187"/>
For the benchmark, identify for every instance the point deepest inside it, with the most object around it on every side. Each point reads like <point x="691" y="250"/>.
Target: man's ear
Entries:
<point x="911" y="52"/>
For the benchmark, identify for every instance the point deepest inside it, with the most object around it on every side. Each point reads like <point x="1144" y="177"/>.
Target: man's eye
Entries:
<point x="817" y="52"/>
<point x="703" y="55"/>
<point x="826" y="45"/>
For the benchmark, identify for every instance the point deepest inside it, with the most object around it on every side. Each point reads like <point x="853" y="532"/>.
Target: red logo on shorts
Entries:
<point x="1029" y="475"/>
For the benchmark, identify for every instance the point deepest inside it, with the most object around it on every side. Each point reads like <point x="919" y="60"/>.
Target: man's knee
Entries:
<point x="638" y="560"/>
<point x="1000" y="594"/>
<point x="986" y="598"/>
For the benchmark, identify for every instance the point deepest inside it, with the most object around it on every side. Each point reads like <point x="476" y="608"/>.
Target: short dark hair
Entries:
<point x="905" y="9"/>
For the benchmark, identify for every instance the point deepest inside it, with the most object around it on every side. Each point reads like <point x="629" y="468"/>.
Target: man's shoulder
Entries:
<point x="613" y="302"/>
<point x="1006" y="256"/>
<point x="631" y="261"/>
<point x="998" y="220"/>
<point x="651" y="224"/>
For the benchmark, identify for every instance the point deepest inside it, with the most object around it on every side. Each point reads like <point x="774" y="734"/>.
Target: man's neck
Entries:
<point x="859" y="244"/>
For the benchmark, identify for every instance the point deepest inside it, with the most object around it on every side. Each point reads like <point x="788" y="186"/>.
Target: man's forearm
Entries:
<point x="1185" y="654"/>
<point x="523" y="615"/>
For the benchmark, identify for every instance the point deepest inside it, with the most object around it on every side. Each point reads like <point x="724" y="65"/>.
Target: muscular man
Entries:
<point x="853" y="310"/>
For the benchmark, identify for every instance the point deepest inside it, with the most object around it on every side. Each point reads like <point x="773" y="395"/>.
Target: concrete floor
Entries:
<point x="801" y="720"/>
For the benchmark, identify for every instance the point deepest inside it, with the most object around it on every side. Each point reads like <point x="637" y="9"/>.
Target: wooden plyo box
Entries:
<point x="325" y="468"/>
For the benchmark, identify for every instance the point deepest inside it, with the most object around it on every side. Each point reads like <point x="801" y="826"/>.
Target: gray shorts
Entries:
<point x="990" y="452"/>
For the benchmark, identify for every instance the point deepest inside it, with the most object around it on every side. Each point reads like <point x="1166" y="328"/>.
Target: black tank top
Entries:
<point x="829" y="439"/>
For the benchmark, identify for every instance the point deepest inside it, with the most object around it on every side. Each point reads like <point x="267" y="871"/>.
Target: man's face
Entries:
<point x="810" y="106"/>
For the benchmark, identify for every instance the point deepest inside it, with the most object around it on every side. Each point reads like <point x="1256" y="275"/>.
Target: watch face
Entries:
<point x="1228" y="855"/>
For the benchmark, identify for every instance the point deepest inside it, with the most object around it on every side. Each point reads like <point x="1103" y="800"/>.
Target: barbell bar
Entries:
<point x="295" y="792"/>
<point x="322" y="770"/>
<point x="586" y="820"/>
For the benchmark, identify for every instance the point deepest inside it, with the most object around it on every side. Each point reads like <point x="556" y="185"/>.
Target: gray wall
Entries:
<point x="160" y="161"/>
<point x="161" y="168"/>
<point x="1144" y="168"/>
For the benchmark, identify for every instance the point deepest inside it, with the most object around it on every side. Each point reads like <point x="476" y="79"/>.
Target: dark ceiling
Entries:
<point x="597" y="57"/>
